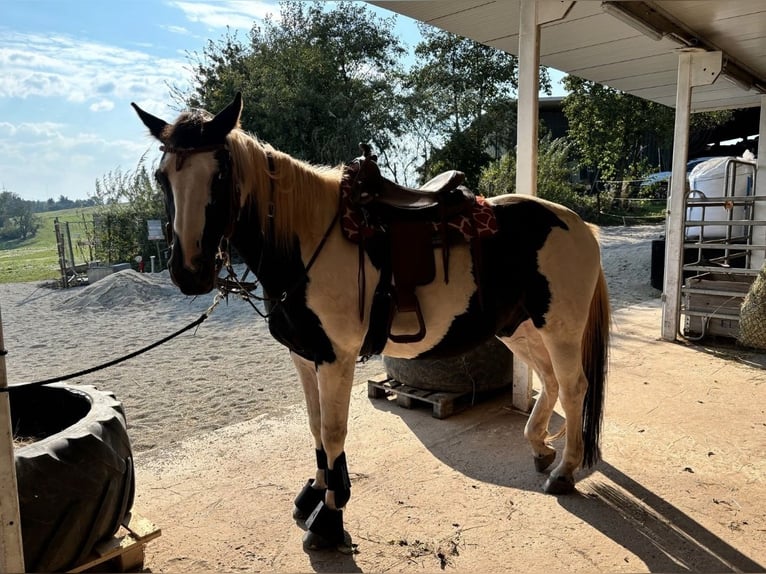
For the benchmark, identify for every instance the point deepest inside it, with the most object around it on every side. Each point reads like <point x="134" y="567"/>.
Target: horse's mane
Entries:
<point x="305" y="196"/>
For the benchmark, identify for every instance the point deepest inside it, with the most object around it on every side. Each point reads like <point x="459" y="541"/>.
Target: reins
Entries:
<point x="229" y="285"/>
<point x="201" y="319"/>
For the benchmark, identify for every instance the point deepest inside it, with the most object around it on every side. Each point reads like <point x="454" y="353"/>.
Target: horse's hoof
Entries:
<point x="316" y="542"/>
<point x="325" y="530"/>
<point x="559" y="485"/>
<point x="307" y="500"/>
<point x="543" y="461"/>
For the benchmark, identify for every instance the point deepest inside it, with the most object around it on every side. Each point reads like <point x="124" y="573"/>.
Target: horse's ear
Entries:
<point x="227" y="119"/>
<point x="155" y="124"/>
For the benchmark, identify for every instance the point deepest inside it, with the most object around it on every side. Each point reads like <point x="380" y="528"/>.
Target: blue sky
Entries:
<point x="70" y="68"/>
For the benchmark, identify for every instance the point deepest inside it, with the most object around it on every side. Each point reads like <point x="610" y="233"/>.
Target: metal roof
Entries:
<point x="629" y="45"/>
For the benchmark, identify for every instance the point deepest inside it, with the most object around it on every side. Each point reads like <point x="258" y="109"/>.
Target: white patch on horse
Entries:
<point x="567" y="298"/>
<point x="440" y="303"/>
<point x="191" y="194"/>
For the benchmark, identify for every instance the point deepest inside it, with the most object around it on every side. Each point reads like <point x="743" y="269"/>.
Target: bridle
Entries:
<point x="232" y="284"/>
<point x="182" y="153"/>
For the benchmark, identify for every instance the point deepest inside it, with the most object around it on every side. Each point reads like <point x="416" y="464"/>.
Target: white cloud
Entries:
<point x="46" y="159"/>
<point x="81" y="71"/>
<point x="177" y="30"/>
<point x="236" y="14"/>
<point x="102" y="106"/>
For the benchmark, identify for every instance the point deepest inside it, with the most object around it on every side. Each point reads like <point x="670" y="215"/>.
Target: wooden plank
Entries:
<point x="125" y="550"/>
<point x="11" y="548"/>
<point x="142" y="528"/>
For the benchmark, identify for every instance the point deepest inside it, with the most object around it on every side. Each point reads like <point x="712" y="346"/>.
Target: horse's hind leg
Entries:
<point x="313" y="491"/>
<point x="566" y="359"/>
<point x="527" y="344"/>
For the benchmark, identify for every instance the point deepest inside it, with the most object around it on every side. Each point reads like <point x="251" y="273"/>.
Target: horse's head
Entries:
<point x="195" y="173"/>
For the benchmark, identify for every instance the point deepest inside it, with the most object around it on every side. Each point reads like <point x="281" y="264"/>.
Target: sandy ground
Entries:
<point x="217" y="422"/>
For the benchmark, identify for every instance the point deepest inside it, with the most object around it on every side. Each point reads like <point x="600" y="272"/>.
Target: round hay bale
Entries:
<point x="487" y="367"/>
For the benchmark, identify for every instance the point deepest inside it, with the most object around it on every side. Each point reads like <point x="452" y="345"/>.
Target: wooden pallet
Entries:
<point x="444" y="404"/>
<point x="123" y="552"/>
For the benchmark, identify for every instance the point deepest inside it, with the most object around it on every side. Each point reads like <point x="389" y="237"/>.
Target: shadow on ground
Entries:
<point x="487" y="443"/>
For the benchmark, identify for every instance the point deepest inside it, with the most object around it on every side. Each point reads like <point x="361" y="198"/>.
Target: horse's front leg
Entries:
<point x="325" y="525"/>
<point x="315" y="488"/>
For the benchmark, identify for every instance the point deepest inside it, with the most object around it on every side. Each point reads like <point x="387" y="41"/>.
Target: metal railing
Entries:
<point x="716" y="282"/>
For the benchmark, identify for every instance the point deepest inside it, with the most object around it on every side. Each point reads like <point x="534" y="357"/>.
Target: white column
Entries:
<point x="11" y="550"/>
<point x="526" y="152"/>
<point x="694" y="69"/>
<point x="532" y="14"/>
<point x="759" y="231"/>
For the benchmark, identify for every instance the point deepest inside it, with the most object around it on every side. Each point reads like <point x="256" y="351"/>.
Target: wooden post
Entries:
<point x="11" y="549"/>
<point x="695" y="68"/>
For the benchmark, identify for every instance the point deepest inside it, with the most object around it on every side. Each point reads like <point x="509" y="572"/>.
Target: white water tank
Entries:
<point x="708" y="180"/>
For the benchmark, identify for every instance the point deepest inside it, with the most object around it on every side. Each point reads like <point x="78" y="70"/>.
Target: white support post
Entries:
<point x="759" y="213"/>
<point x="695" y="68"/>
<point x="532" y="14"/>
<point x="526" y="152"/>
<point x="11" y="549"/>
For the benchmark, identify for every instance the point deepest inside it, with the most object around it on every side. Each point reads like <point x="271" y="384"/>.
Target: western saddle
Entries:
<point x="405" y="224"/>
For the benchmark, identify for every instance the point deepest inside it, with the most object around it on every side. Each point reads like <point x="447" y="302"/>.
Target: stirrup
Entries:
<point x="411" y="337"/>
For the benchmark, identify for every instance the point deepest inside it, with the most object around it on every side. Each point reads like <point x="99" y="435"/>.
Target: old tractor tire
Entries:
<point x="76" y="480"/>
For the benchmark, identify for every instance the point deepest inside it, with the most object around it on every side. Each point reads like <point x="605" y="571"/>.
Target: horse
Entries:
<point x="536" y="283"/>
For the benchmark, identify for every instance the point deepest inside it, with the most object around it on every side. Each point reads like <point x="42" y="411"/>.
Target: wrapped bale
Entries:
<point x="752" y="316"/>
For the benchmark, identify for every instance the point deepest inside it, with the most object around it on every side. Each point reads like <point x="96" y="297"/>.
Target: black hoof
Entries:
<point x="559" y="485"/>
<point x="542" y="462"/>
<point x="307" y="500"/>
<point x="313" y="542"/>
<point x="325" y="531"/>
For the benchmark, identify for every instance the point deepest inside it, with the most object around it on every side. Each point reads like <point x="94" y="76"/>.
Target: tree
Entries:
<point x="126" y="200"/>
<point x="17" y="220"/>
<point x="609" y="128"/>
<point x="555" y="170"/>
<point x="464" y="91"/>
<point x="316" y="82"/>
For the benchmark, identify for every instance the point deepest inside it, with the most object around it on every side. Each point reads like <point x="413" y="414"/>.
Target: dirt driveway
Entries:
<point x="682" y="485"/>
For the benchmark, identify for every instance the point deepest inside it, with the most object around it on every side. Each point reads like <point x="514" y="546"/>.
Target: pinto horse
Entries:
<point x="536" y="283"/>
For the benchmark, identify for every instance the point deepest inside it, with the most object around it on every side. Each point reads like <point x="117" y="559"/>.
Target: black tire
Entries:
<point x="488" y="367"/>
<point x="76" y="482"/>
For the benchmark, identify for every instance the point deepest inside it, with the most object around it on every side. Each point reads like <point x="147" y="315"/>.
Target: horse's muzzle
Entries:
<point x="197" y="281"/>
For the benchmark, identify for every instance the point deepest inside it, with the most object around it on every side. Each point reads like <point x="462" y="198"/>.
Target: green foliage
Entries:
<point x="463" y="91"/>
<point x="555" y="170"/>
<point x="17" y="221"/>
<point x="316" y="81"/>
<point x="63" y="202"/>
<point x="609" y="128"/>
<point x="126" y="201"/>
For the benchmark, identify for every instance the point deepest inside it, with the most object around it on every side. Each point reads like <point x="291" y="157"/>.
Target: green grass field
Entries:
<point x="36" y="259"/>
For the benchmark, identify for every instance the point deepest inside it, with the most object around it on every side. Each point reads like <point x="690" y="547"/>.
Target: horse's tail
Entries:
<point x="595" y="357"/>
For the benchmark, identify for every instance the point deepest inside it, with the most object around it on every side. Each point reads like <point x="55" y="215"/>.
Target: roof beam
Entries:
<point x="653" y="23"/>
